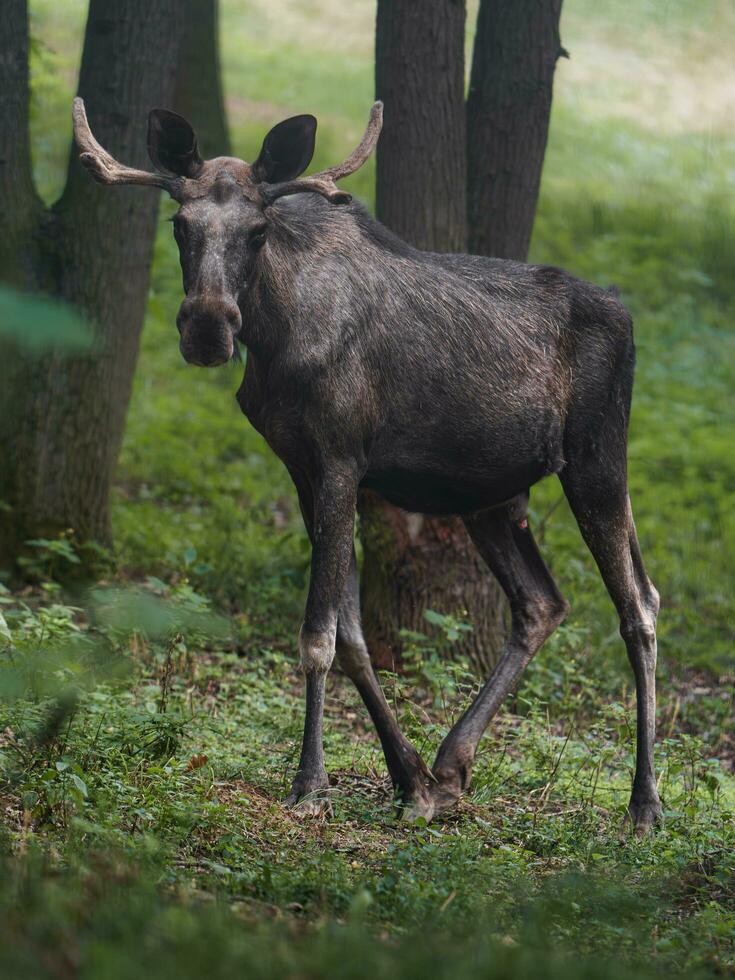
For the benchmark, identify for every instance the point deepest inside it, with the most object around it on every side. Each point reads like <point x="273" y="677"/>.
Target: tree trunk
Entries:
<point x="21" y="206"/>
<point x="198" y="95"/>
<point x="411" y="562"/>
<point x="508" y="108"/>
<point x="63" y="415"/>
<point x="419" y="75"/>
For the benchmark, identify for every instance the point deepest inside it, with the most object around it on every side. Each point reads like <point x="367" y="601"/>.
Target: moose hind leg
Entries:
<point x="601" y="505"/>
<point x="504" y="540"/>
<point x="409" y="773"/>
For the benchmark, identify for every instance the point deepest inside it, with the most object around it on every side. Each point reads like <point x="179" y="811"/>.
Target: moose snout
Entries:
<point x="208" y="326"/>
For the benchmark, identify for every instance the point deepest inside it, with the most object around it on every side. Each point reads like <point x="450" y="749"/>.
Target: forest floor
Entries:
<point x="149" y="727"/>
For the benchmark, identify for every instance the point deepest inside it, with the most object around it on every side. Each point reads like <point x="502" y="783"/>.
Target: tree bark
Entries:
<point x="419" y="75"/>
<point x="508" y="108"/>
<point x="21" y="207"/>
<point x="63" y="415"/>
<point x="198" y="95"/>
<point x="411" y="562"/>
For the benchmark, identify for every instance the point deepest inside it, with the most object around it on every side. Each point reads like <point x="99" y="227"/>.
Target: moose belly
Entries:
<point x="445" y="493"/>
<point x="456" y="462"/>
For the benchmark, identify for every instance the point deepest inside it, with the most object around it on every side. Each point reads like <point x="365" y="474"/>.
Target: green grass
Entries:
<point x="148" y="732"/>
<point x="171" y="773"/>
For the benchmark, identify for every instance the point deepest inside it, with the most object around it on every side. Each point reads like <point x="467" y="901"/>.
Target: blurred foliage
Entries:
<point x="124" y="930"/>
<point x="38" y="324"/>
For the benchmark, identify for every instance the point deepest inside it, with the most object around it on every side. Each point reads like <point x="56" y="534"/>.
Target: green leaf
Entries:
<point x="79" y="784"/>
<point x="435" y="618"/>
<point x="5" y="629"/>
<point x="40" y="323"/>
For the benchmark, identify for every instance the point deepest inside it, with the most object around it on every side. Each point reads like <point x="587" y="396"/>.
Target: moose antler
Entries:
<point x="105" y="168"/>
<point x="324" y="183"/>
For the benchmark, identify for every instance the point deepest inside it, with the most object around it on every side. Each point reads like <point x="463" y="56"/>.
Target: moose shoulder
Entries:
<point x="450" y="384"/>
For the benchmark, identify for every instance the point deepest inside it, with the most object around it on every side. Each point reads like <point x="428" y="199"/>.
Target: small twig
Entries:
<point x="597" y="776"/>
<point x="541" y="526"/>
<point x="543" y="797"/>
<point x="166" y="674"/>
<point x="674" y="716"/>
<point x="447" y="901"/>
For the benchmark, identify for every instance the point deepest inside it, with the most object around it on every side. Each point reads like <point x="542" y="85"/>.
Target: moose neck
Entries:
<point x="316" y="260"/>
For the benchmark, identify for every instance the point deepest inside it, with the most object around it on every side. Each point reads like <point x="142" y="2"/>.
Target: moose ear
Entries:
<point x="172" y="144"/>
<point x="287" y="150"/>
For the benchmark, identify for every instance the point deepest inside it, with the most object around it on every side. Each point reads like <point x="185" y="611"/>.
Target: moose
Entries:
<point x="448" y="384"/>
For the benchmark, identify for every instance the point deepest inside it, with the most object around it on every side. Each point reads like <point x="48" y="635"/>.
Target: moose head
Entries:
<point x="222" y="221"/>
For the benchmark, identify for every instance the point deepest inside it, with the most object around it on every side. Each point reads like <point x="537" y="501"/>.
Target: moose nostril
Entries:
<point x="233" y="316"/>
<point x="208" y="325"/>
<point x="184" y="314"/>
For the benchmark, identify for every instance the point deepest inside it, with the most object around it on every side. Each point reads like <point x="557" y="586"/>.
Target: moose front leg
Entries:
<point x="334" y="518"/>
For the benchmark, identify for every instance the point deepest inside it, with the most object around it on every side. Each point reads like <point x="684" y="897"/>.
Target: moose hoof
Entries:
<point x="445" y="795"/>
<point x="643" y="815"/>
<point x="420" y="806"/>
<point x="450" y="780"/>
<point x="309" y="797"/>
<point x="430" y="801"/>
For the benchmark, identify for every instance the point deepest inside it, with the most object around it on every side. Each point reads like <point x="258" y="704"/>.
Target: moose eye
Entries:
<point x="257" y="238"/>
